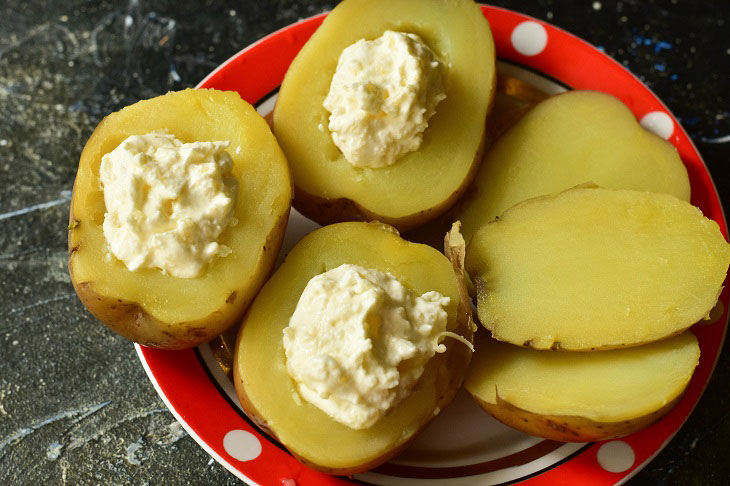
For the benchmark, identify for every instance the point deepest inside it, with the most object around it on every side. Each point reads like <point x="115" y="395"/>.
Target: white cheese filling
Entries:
<point x="358" y="341"/>
<point x="167" y="202"/>
<point x="382" y="95"/>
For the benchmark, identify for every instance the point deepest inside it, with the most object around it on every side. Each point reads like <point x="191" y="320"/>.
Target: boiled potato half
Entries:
<point x="594" y="268"/>
<point x="269" y="396"/>
<point x="147" y="306"/>
<point x="424" y="183"/>
<point x="566" y="140"/>
<point x="581" y="397"/>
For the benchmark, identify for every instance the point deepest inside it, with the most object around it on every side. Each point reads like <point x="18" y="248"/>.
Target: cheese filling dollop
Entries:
<point x="382" y="95"/>
<point x="167" y="202"/>
<point x="358" y="342"/>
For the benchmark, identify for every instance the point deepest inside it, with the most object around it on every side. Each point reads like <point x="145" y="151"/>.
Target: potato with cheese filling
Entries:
<point x="382" y="114"/>
<point x="318" y="414"/>
<point x="178" y="212"/>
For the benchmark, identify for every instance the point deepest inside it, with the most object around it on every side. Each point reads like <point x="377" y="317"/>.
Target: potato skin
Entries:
<point x="568" y="428"/>
<point x="131" y="320"/>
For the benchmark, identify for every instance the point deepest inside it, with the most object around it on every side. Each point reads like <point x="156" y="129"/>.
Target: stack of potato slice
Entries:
<point x="591" y="290"/>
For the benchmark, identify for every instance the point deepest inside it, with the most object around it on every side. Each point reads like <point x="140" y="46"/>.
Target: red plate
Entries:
<point x="464" y="445"/>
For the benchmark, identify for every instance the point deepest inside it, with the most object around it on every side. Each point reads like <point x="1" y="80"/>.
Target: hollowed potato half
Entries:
<point x="147" y="306"/>
<point x="422" y="184"/>
<point x="581" y="397"/>
<point x="566" y="140"/>
<point x="268" y="394"/>
<point x="594" y="268"/>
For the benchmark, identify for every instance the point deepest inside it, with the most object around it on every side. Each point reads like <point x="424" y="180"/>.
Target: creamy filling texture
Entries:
<point x="167" y="202"/>
<point x="358" y="342"/>
<point x="382" y="95"/>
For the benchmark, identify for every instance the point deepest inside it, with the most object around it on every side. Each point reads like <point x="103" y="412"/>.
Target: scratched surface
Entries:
<point x="75" y="405"/>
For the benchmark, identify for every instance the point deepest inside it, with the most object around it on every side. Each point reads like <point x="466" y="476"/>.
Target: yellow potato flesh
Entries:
<point x="269" y="395"/>
<point x="262" y="206"/>
<point x="604" y="387"/>
<point x="566" y="140"/>
<point x="596" y="268"/>
<point x="422" y="180"/>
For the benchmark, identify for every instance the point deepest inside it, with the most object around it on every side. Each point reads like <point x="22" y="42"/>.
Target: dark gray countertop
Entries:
<point x="75" y="404"/>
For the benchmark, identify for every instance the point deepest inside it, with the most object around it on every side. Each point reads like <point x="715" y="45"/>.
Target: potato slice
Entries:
<point x="581" y="397"/>
<point x="596" y="269"/>
<point x="158" y="310"/>
<point x="422" y="184"/>
<point x="566" y="140"/>
<point x="267" y="393"/>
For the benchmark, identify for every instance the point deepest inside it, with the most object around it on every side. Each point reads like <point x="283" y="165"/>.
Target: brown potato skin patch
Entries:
<point x="566" y="428"/>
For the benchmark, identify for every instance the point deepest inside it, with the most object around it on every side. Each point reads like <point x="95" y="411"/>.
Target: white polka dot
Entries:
<point x="242" y="445"/>
<point x="616" y="456"/>
<point x="529" y="38"/>
<point x="659" y="123"/>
